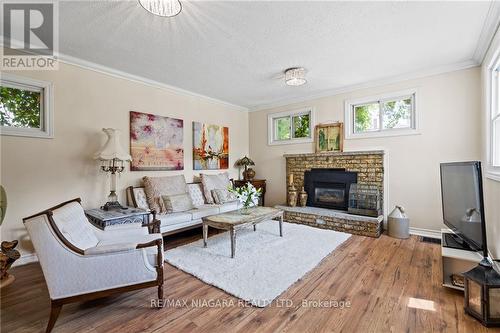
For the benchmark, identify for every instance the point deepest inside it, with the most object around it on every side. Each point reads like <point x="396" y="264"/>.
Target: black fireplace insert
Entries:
<point x="329" y="188"/>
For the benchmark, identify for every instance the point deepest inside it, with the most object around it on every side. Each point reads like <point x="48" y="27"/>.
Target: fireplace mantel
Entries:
<point x="334" y="154"/>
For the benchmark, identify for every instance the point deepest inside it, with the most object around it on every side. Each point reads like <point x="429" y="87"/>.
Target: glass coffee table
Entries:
<point x="234" y="220"/>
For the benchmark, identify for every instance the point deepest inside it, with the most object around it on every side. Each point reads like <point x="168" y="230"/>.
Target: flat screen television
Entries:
<point x="463" y="205"/>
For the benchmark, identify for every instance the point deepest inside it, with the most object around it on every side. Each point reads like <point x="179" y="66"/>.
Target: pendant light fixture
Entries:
<point x="165" y="8"/>
<point x="295" y="76"/>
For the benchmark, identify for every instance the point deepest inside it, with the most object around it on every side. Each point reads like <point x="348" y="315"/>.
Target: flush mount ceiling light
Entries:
<point x="165" y="8"/>
<point x="295" y="76"/>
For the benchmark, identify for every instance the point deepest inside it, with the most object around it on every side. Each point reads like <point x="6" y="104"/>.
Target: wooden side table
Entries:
<point x="103" y="219"/>
<point x="258" y="183"/>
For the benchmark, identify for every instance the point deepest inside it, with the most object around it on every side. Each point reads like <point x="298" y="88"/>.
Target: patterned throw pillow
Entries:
<point x="155" y="187"/>
<point x="214" y="182"/>
<point x="177" y="203"/>
<point x="196" y="193"/>
<point x="222" y="196"/>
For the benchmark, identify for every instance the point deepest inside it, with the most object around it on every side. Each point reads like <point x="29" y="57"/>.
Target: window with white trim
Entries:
<point x="493" y="123"/>
<point x="25" y="107"/>
<point x="294" y="126"/>
<point x="382" y="115"/>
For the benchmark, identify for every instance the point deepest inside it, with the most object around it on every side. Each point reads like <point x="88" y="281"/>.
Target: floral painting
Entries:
<point x="156" y="142"/>
<point x="210" y="147"/>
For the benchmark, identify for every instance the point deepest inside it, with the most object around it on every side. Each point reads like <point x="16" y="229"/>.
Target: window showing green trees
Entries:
<point x="283" y="128"/>
<point x="384" y="115"/>
<point x="366" y="117"/>
<point x="20" y="108"/>
<point x="397" y="114"/>
<point x="293" y="126"/>
<point x="301" y="126"/>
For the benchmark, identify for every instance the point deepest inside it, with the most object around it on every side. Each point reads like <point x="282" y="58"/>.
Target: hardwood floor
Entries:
<point x="392" y="286"/>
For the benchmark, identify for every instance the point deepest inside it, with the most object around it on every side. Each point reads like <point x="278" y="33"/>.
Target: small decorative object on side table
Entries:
<point x="103" y="219"/>
<point x="248" y="173"/>
<point x="112" y="156"/>
<point x="258" y="184"/>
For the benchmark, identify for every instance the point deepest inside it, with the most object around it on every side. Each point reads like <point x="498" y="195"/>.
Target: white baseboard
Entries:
<point x="26" y="259"/>
<point x="426" y="232"/>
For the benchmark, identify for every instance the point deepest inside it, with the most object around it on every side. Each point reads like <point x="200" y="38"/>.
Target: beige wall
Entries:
<point x="39" y="173"/>
<point x="491" y="187"/>
<point x="450" y="131"/>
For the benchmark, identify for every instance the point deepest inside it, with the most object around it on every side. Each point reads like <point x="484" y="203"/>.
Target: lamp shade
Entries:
<point x="245" y="161"/>
<point x="112" y="149"/>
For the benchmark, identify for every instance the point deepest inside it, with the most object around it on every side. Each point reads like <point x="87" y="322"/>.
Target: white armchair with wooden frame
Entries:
<point x="80" y="262"/>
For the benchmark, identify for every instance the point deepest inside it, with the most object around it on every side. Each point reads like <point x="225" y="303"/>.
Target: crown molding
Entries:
<point x="74" y="61"/>
<point x="78" y="62"/>
<point x="490" y="27"/>
<point x="371" y="84"/>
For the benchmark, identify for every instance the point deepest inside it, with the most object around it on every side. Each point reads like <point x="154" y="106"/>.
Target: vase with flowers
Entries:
<point x="248" y="195"/>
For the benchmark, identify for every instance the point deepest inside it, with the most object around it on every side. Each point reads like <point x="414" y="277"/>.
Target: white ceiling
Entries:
<point x="235" y="51"/>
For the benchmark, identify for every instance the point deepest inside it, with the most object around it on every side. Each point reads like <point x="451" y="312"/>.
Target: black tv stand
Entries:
<point x="453" y="241"/>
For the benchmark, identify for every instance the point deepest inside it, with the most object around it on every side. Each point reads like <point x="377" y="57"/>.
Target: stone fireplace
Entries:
<point x="327" y="177"/>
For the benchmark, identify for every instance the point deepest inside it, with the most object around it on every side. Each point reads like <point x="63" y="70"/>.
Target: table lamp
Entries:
<point x="249" y="173"/>
<point x="112" y="156"/>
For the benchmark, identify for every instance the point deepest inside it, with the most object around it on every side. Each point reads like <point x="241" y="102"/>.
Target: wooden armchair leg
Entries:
<point x="160" y="291"/>
<point x="55" y="309"/>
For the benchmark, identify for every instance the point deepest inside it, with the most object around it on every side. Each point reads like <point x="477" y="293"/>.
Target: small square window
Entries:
<point x="25" y="107"/>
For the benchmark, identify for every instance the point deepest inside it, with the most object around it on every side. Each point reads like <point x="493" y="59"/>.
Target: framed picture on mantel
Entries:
<point x="329" y="137"/>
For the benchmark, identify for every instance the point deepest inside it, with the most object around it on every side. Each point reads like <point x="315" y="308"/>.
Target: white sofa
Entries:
<point x="80" y="262"/>
<point x="176" y="222"/>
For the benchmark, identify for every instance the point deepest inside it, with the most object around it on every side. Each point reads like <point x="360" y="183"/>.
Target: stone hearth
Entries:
<point x="334" y="220"/>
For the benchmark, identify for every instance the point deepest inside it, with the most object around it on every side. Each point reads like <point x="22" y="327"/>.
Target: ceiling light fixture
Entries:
<point x="295" y="76"/>
<point x="165" y="8"/>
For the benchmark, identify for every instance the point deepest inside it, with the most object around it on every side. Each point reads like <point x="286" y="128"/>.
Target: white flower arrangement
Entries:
<point x="248" y="195"/>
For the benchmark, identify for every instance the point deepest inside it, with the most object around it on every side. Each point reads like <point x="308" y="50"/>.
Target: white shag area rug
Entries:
<point x="265" y="264"/>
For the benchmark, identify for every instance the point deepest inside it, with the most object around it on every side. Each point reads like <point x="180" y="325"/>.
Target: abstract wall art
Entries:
<point x="210" y="147"/>
<point x="156" y="142"/>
